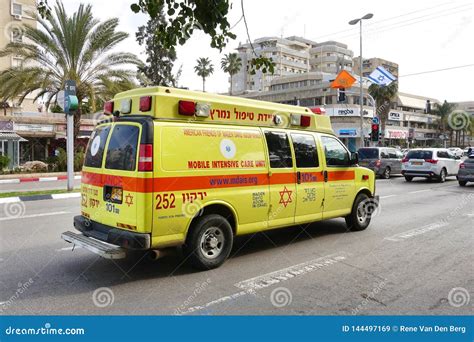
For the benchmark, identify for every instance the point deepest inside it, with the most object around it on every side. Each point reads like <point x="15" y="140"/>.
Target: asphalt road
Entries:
<point x="415" y="258"/>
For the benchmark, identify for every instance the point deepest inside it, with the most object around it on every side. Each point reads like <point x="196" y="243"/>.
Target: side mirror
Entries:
<point x="354" y="158"/>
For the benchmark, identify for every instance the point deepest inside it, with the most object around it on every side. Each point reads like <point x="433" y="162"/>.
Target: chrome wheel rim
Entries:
<point x="387" y="174"/>
<point x="362" y="213"/>
<point x="443" y="175"/>
<point x="212" y="242"/>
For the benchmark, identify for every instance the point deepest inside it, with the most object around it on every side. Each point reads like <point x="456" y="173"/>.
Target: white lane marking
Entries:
<point x="417" y="231"/>
<point x="388" y="196"/>
<point x="276" y="277"/>
<point x="9" y="181"/>
<point x="48" y="179"/>
<point x="250" y="286"/>
<point x="415" y="192"/>
<point x="35" y="215"/>
<point x="9" y="200"/>
<point x="67" y="195"/>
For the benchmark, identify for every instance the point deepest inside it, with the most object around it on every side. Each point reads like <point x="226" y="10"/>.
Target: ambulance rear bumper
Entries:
<point x="104" y="249"/>
<point x="112" y="235"/>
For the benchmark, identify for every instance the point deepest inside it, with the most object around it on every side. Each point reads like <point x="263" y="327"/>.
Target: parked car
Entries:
<point x="384" y="161"/>
<point x="458" y="152"/>
<point x="431" y="163"/>
<point x="467" y="149"/>
<point x="466" y="171"/>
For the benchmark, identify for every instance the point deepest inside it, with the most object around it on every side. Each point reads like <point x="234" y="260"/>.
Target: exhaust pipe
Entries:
<point x="156" y="254"/>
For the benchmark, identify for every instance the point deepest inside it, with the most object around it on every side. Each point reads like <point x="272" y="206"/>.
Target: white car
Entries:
<point x="431" y="163"/>
<point x="458" y="152"/>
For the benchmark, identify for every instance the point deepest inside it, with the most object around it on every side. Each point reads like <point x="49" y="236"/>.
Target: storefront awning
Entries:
<point x="11" y="136"/>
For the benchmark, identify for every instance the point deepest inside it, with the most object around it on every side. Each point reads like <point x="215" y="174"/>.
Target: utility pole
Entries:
<point x="354" y="22"/>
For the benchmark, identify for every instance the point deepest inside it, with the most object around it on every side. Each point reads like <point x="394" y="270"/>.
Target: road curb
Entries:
<point x="35" y="179"/>
<point x="39" y="197"/>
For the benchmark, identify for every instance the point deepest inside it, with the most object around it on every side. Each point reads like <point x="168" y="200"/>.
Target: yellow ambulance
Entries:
<point x="173" y="167"/>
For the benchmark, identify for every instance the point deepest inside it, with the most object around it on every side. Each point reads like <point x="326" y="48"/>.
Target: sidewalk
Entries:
<point x="36" y="177"/>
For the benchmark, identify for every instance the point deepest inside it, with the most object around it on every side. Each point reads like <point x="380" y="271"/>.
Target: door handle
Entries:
<point x="325" y="175"/>
<point x="298" y="177"/>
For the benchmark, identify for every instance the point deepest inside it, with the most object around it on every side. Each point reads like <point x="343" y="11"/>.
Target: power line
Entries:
<point x="438" y="70"/>
<point x="369" y="24"/>
<point x="410" y="21"/>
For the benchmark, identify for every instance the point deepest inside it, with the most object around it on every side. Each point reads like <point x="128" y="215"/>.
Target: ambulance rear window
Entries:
<point x="95" y="149"/>
<point x="122" y="149"/>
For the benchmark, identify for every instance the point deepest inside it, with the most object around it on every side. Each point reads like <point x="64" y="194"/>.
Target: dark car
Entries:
<point x="466" y="171"/>
<point x="384" y="161"/>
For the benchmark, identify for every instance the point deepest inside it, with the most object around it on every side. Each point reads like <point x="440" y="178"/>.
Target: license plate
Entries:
<point x="416" y="163"/>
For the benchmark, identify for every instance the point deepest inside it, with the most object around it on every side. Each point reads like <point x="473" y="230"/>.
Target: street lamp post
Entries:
<point x="361" y="102"/>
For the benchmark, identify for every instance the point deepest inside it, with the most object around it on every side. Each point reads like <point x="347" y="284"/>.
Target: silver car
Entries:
<point x="384" y="161"/>
<point x="466" y="171"/>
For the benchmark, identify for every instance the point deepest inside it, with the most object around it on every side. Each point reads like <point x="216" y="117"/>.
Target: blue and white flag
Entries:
<point x="381" y="76"/>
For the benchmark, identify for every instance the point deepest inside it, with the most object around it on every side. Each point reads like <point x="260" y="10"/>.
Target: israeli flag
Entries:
<point x="381" y="76"/>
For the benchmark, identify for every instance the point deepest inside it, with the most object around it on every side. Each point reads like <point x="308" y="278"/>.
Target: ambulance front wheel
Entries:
<point x="209" y="242"/>
<point x="361" y="213"/>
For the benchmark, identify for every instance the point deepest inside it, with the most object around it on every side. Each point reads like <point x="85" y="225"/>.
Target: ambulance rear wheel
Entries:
<point x="209" y="242"/>
<point x="361" y="213"/>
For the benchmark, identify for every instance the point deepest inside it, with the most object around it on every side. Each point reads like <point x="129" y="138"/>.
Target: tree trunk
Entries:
<point x="203" y="84"/>
<point x="77" y="124"/>
<point x="231" y="84"/>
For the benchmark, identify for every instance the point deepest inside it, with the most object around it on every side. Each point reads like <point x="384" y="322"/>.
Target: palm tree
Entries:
<point x="443" y="112"/>
<point x="231" y="64"/>
<point x="204" y="68"/>
<point x="77" y="47"/>
<point x="383" y="96"/>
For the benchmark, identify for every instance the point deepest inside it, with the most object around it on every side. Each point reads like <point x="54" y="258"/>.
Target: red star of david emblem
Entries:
<point x="129" y="199"/>
<point x="285" y="196"/>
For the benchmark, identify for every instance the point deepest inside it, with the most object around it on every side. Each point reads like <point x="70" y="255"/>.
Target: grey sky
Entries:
<point x="418" y="35"/>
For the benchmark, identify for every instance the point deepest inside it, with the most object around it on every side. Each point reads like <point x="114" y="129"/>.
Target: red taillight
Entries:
<point x="431" y="161"/>
<point x="305" y="121"/>
<point x="378" y="163"/>
<point x="187" y="108"/>
<point x="462" y="166"/>
<point x="318" y="110"/>
<point x="405" y="160"/>
<point x="108" y="107"/>
<point x="145" y="157"/>
<point x="145" y="103"/>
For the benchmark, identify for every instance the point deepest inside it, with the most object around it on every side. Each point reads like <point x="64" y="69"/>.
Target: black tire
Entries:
<point x="408" y="178"/>
<point x="386" y="173"/>
<point x="462" y="183"/>
<point x="442" y="176"/>
<point x="209" y="242"/>
<point x="361" y="214"/>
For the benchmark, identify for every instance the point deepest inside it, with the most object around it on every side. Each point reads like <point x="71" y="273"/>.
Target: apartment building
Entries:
<point x="292" y="56"/>
<point x="370" y="64"/>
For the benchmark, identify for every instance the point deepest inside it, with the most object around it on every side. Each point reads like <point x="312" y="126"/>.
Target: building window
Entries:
<point x="17" y="62"/>
<point x="16" y="35"/>
<point x="17" y="9"/>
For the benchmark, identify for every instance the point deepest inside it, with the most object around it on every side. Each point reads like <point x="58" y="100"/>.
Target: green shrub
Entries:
<point x="4" y="161"/>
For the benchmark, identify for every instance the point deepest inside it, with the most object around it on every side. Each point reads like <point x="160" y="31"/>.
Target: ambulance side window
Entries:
<point x="279" y="150"/>
<point x="95" y="148"/>
<point x="305" y="150"/>
<point x="122" y="149"/>
<point x="336" y="154"/>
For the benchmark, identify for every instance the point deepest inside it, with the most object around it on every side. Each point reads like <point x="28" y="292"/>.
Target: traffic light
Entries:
<point x="374" y="136"/>
<point x="341" y="94"/>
